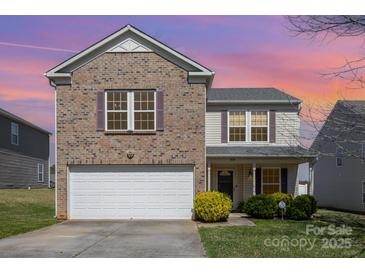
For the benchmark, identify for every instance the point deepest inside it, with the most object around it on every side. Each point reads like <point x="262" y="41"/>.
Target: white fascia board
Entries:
<point x="53" y="72"/>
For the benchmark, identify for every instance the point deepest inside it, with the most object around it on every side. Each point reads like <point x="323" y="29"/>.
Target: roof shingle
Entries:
<point x="249" y="95"/>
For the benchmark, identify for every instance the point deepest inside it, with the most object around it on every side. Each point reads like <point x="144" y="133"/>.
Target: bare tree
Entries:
<point x="341" y="125"/>
<point x="332" y="28"/>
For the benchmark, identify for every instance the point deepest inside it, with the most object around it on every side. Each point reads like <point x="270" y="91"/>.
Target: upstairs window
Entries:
<point x="14" y="138"/>
<point x="237" y="126"/>
<point x="339" y="156"/>
<point x="117" y="110"/>
<point x="144" y="110"/>
<point x="259" y="126"/>
<point x="363" y="192"/>
<point x="363" y="153"/>
<point x="130" y="110"/>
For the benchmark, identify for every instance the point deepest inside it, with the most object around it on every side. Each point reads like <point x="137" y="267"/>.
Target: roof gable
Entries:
<point x="130" y="39"/>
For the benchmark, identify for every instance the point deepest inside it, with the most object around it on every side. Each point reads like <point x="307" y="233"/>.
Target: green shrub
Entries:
<point x="302" y="207"/>
<point x="212" y="206"/>
<point x="313" y="203"/>
<point x="280" y="196"/>
<point x="241" y="207"/>
<point x="261" y="206"/>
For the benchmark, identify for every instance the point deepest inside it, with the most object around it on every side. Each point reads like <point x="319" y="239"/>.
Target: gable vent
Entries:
<point x="129" y="45"/>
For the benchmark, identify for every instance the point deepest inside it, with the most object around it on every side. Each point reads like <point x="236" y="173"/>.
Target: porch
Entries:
<point x="253" y="172"/>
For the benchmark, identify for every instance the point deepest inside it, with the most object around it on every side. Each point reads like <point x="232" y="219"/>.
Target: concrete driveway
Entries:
<point x="116" y="239"/>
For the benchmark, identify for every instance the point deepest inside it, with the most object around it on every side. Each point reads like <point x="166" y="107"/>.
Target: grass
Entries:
<point x="243" y="241"/>
<point x="23" y="210"/>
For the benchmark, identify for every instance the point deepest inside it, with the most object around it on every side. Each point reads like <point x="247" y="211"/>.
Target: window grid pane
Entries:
<point x="270" y="180"/>
<point x="117" y="100"/>
<point x="237" y="118"/>
<point x="237" y="126"/>
<point x="259" y="134"/>
<point x="259" y="118"/>
<point x="144" y="100"/>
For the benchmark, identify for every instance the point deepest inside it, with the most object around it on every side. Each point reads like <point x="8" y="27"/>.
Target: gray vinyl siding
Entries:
<point x="339" y="187"/>
<point x="32" y="142"/>
<point x="19" y="171"/>
<point x="287" y="128"/>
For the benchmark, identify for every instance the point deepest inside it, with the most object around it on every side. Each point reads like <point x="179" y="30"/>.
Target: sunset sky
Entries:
<point x="244" y="51"/>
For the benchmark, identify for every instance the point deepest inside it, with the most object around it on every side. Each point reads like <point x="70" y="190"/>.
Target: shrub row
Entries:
<point x="267" y="206"/>
<point x="214" y="206"/>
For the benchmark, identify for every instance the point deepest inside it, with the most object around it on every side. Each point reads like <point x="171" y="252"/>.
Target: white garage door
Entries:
<point x="123" y="192"/>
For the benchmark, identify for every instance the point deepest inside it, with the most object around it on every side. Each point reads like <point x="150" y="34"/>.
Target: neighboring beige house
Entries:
<point x="339" y="172"/>
<point x="140" y="131"/>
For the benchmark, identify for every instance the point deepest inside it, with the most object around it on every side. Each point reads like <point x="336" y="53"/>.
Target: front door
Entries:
<point x="225" y="182"/>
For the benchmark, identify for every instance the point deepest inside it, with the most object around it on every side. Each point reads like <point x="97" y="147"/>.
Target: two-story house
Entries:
<point x="140" y="132"/>
<point x="24" y="153"/>
<point x="339" y="172"/>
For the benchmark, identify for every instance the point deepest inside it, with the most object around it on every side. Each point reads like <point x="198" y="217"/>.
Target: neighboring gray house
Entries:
<point x="24" y="153"/>
<point x="339" y="173"/>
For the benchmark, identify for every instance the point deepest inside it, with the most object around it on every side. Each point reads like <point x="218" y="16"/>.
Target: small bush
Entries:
<point x="212" y="206"/>
<point x="313" y="203"/>
<point x="241" y="207"/>
<point x="261" y="206"/>
<point x="302" y="207"/>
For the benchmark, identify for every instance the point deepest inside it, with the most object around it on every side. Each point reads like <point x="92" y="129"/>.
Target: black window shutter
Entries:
<point x="224" y="125"/>
<point x="284" y="180"/>
<point x="100" y="117"/>
<point x="258" y="180"/>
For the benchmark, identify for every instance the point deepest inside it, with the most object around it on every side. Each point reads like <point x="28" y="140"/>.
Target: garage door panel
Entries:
<point x="121" y="192"/>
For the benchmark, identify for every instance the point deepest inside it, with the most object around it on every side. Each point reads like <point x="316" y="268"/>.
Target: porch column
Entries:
<point x="254" y="179"/>
<point x="209" y="175"/>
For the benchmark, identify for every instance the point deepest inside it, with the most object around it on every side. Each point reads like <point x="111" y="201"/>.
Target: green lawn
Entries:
<point x="23" y="210"/>
<point x="270" y="238"/>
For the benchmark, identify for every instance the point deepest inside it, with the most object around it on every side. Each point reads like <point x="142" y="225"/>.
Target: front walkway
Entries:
<point x="116" y="239"/>
<point x="235" y="219"/>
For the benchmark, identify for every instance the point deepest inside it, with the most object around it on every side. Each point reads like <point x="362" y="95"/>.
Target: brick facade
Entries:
<point x="78" y="142"/>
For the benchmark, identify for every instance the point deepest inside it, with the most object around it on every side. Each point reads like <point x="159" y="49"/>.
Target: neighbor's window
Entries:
<point x="363" y="153"/>
<point x="363" y="192"/>
<point x="270" y="180"/>
<point x="259" y="126"/>
<point x="237" y="126"/>
<point x="144" y="110"/>
<point x="40" y="172"/>
<point x="339" y="156"/>
<point x="14" y="134"/>
<point x="117" y="110"/>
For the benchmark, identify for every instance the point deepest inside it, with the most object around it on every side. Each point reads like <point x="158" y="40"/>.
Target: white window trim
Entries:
<point x="16" y="133"/>
<point x="248" y="127"/>
<point x="228" y="126"/>
<point x="130" y="112"/>
<point x="267" y="125"/>
<point x="339" y="158"/>
<point x="262" y="178"/>
<point x="39" y="165"/>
